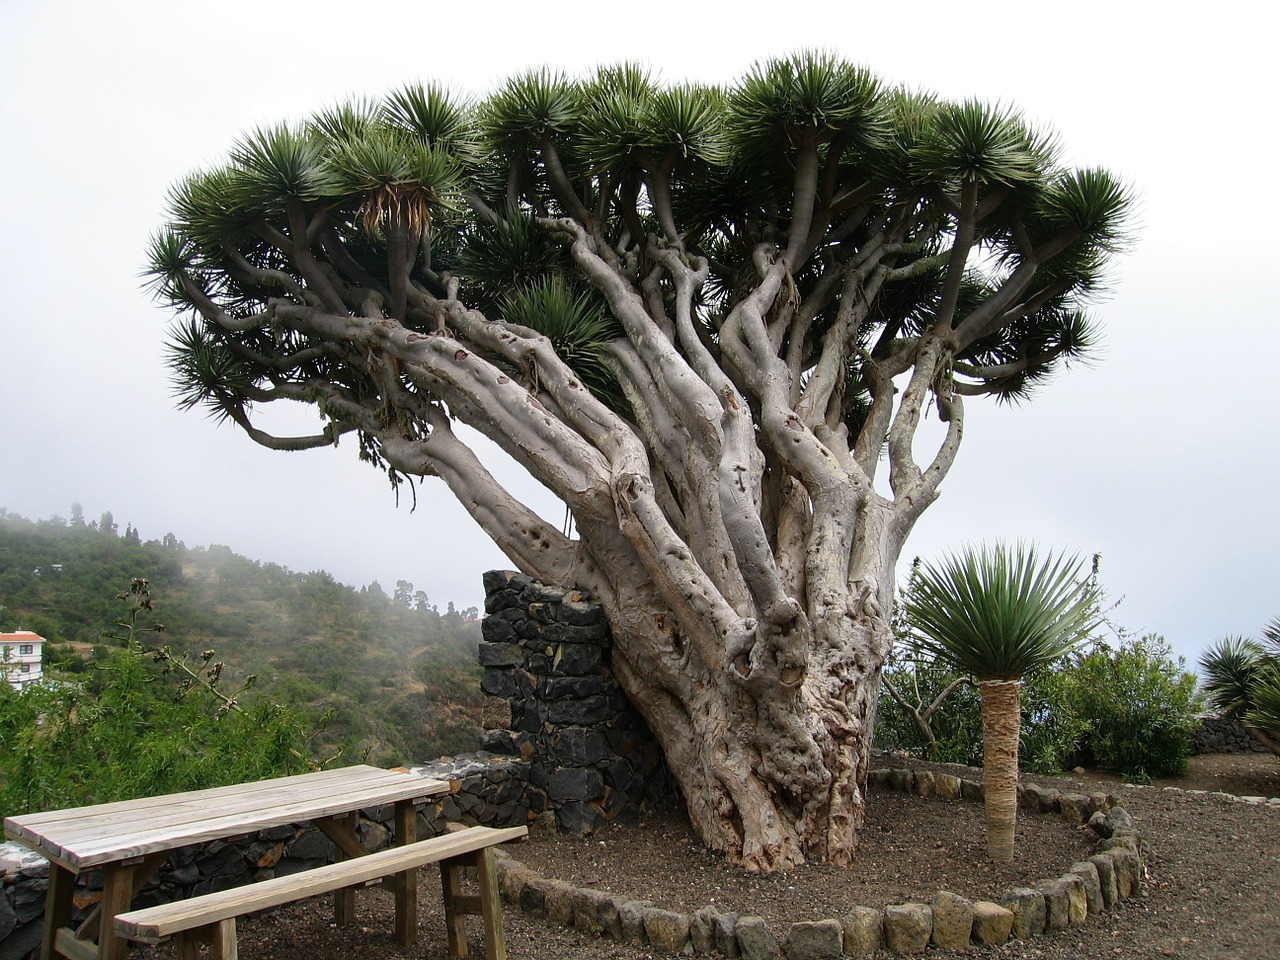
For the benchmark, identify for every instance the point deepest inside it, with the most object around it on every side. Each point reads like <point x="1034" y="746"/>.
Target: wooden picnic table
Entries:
<point x="131" y="839"/>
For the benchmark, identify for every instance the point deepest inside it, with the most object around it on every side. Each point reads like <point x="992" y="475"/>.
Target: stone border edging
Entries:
<point x="1110" y="876"/>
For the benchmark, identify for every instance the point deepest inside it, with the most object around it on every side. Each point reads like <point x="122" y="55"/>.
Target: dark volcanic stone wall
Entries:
<point x="552" y="700"/>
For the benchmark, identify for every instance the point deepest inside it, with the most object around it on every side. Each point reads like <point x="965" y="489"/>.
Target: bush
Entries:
<point x="1050" y="733"/>
<point x="1127" y="709"/>
<point x="1138" y="705"/>
<point x="136" y="723"/>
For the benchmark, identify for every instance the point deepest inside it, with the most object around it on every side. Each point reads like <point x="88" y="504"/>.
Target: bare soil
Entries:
<point x="1212" y="893"/>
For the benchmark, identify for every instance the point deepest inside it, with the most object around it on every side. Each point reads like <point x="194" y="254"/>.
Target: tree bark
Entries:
<point x="1001" y="720"/>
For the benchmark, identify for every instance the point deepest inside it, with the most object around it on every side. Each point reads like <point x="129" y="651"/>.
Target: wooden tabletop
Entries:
<point x="110" y="832"/>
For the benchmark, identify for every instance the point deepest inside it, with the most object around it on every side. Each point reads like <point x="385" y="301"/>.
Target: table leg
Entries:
<point x="406" y="883"/>
<point x="117" y="893"/>
<point x="344" y="901"/>
<point x="57" y="907"/>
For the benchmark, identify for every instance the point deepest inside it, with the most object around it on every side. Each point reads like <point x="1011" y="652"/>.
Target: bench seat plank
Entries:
<point x="155" y="923"/>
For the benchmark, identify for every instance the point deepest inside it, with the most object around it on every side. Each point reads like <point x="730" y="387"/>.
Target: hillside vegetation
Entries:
<point x="397" y="677"/>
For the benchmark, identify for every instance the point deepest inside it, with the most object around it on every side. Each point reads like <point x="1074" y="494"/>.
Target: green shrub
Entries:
<point x="136" y="723"/>
<point x="1138" y="705"/>
<point x="1050" y="733"/>
<point x="1127" y="709"/>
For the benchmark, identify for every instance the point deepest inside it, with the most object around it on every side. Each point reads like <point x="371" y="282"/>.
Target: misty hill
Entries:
<point x="399" y="676"/>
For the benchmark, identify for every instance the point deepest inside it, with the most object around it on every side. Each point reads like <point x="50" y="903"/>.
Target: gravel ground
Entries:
<point x="1213" y="890"/>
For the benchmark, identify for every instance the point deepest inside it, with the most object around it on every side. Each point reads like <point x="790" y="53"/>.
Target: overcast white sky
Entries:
<point x="1163" y="457"/>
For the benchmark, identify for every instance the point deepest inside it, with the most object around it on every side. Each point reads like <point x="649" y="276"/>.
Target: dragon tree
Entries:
<point x="710" y="320"/>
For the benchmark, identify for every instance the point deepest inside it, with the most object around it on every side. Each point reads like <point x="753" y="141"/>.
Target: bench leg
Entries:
<point x="455" y="921"/>
<point x="490" y="905"/>
<point x="220" y="936"/>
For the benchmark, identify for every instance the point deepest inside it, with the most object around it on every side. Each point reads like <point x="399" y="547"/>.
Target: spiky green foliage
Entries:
<point x="1241" y="679"/>
<point x="997" y="612"/>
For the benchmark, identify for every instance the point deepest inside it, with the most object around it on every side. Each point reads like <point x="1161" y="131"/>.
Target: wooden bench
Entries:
<point x="211" y="918"/>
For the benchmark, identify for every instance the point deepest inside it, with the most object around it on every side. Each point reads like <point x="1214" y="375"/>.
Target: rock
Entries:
<point x="972" y="790"/>
<point x="631" y="917"/>
<point x="1099" y="824"/>
<point x="587" y="905"/>
<point x="947" y="786"/>
<point x="992" y="923"/>
<point x="575" y="783"/>
<point x="755" y="940"/>
<point x="952" y="921"/>
<point x="727" y="935"/>
<point x="1033" y="797"/>
<point x="1077" y="899"/>
<point x="863" y="931"/>
<point x="1128" y="872"/>
<point x="8" y="917"/>
<point x="1121" y="822"/>
<point x="1088" y="874"/>
<point x="907" y="927"/>
<point x="667" y="931"/>
<point x="1106" y="867"/>
<point x="815" y="940"/>
<point x="1057" y="909"/>
<point x="702" y="930"/>
<point x="557" y="899"/>
<point x="501" y="655"/>
<point x="1074" y="807"/>
<point x="925" y="785"/>
<point x="1028" y="909"/>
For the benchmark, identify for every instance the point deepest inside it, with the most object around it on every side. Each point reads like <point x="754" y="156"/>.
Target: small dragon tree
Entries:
<point x="1242" y="680"/>
<point x="997" y="614"/>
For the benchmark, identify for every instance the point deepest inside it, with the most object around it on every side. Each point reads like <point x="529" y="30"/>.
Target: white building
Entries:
<point x="21" y="654"/>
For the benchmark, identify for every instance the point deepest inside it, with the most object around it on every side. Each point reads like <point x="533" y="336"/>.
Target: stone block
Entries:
<point x="947" y="786"/>
<point x="907" y="927"/>
<point x="1088" y="874"/>
<point x="755" y="940"/>
<point x="587" y="908"/>
<point x="1033" y="797"/>
<point x="501" y="655"/>
<point x="863" y="931"/>
<point x="496" y="713"/>
<point x="1106" y="867"/>
<point x="583" y="712"/>
<point x="575" y="783"/>
<point x="1128" y="872"/>
<point x="1028" y="909"/>
<point x="952" y="921"/>
<point x="557" y="900"/>
<point x="1057" y="908"/>
<point x="497" y="630"/>
<point x="581" y="613"/>
<point x="1077" y="899"/>
<point x="666" y="930"/>
<point x="727" y="935"/>
<point x="924" y="783"/>
<point x="579" y="818"/>
<point x="498" y="682"/>
<point x="702" y="930"/>
<point x="992" y="923"/>
<point x="631" y="919"/>
<point x="972" y="790"/>
<point x="815" y="940"/>
<point x="579" y="746"/>
<point x="513" y="881"/>
<point x="1074" y="807"/>
<point x="577" y="659"/>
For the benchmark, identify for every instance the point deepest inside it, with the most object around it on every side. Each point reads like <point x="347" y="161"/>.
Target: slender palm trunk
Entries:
<point x="1001" y="719"/>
